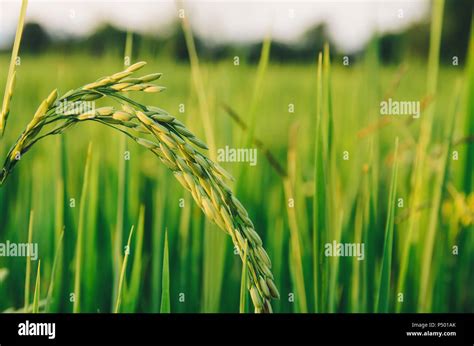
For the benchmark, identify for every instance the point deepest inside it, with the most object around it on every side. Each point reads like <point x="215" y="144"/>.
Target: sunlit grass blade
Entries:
<point x="157" y="246"/>
<point x="198" y="83"/>
<point x="386" y="271"/>
<point x="127" y="59"/>
<point x="468" y="179"/>
<point x="80" y="232"/>
<point x="7" y="96"/>
<point x="54" y="273"/>
<point x="295" y="242"/>
<point x="434" y="224"/>
<point x="423" y="142"/>
<point x="258" y="87"/>
<point x="319" y="199"/>
<point x="165" y="281"/>
<point x="28" y="263"/>
<point x="333" y="292"/>
<point x="122" y="272"/>
<point x="134" y="287"/>
<point x="120" y="216"/>
<point x="36" y="295"/>
<point x="214" y="251"/>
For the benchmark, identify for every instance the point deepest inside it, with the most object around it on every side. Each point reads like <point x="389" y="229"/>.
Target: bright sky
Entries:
<point x="351" y="22"/>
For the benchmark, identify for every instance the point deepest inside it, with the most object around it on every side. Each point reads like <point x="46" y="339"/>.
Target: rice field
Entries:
<point x="116" y="232"/>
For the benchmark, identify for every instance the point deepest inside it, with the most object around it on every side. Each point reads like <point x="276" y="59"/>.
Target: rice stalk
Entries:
<point x="170" y="140"/>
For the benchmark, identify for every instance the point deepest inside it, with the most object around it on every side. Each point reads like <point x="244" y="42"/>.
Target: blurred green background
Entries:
<point x="204" y="271"/>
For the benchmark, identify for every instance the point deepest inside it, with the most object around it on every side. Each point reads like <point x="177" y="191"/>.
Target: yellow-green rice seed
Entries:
<point x="133" y="87"/>
<point x="122" y="116"/>
<point x="239" y="206"/>
<point x="263" y="287"/>
<point x="223" y="172"/>
<point x="240" y="239"/>
<point x="144" y="119"/>
<point x="150" y="77"/>
<point x="177" y="138"/>
<point x="105" y="111"/>
<point x="253" y="235"/>
<point x="162" y="117"/>
<point x="183" y="130"/>
<point x="189" y="179"/>
<point x="52" y="97"/>
<point x="167" y="152"/>
<point x="129" y="109"/>
<point x="154" y="89"/>
<point x="273" y="289"/>
<point x="147" y="144"/>
<point x="120" y="75"/>
<point x="168" y="140"/>
<point x="120" y="86"/>
<point x="264" y="256"/>
<point x="41" y="111"/>
<point x="141" y="129"/>
<point x="226" y="217"/>
<point x="198" y="142"/>
<point x="180" y="178"/>
<point x="257" y="301"/>
<point x="136" y="66"/>
<point x="91" y="97"/>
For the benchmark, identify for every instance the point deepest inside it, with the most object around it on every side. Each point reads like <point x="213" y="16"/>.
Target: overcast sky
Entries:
<point x="350" y="22"/>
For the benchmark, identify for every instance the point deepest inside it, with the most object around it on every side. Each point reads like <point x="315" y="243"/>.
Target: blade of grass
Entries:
<point x="356" y="303"/>
<point x="28" y="263"/>
<point x="128" y="49"/>
<point x="424" y="139"/>
<point x="7" y="96"/>
<point x="319" y="199"/>
<point x="57" y="256"/>
<point x="80" y="233"/>
<point x="440" y="185"/>
<point x="157" y="245"/>
<point x="258" y="87"/>
<point x="134" y="287"/>
<point x="468" y="180"/>
<point x="215" y="246"/>
<point x="334" y="268"/>
<point x="386" y="271"/>
<point x="185" y="245"/>
<point x="295" y="245"/>
<point x="36" y="295"/>
<point x="122" y="272"/>
<point x="165" y="281"/>
<point x="199" y="87"/>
